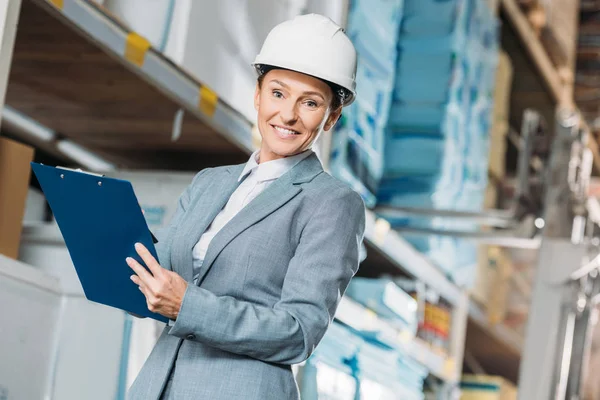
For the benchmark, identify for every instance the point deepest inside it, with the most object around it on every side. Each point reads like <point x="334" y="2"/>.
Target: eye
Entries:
<point x="311" y="104"/>
<point x="278" y="94"/>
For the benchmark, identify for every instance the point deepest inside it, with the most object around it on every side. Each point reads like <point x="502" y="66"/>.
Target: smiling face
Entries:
<point x="293" y="109"/>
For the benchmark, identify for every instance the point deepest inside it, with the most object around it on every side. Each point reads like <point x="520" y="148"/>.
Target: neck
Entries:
<point x="265" y="155"/>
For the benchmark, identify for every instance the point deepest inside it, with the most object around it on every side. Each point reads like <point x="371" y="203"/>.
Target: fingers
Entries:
<point x="151" y="301"/>
<point x="142" y="274"/>
<point x="149" y="259"/>
<point x="136" y="279"/>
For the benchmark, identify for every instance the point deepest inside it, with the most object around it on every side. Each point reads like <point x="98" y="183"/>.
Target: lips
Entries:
<point x="284" y="133"/>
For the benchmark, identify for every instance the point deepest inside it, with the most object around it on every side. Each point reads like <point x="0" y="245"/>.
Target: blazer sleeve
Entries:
<point x="326" y="258"/>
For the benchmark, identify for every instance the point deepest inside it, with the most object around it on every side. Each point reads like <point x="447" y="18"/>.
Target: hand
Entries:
<point x="164" y="290"/>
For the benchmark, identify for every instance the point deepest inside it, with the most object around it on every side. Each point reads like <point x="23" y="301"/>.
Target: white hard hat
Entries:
<point x="314" y="45"/>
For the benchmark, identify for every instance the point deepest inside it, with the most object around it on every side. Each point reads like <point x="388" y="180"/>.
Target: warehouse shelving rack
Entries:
<point x="217" y="119"/>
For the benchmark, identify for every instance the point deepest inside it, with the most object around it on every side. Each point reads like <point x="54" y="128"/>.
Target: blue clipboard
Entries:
<point x="101" y="220"/>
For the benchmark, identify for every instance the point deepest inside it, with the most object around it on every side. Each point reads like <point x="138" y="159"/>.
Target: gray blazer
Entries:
<point x="269" y="286"/>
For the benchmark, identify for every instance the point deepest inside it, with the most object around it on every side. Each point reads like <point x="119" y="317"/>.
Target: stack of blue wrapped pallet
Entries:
<point x="382" y="366"/>
<point x="329" y="373"/>
<point x="383" y="373"/>
<point x="348" y="366"/>
<point x="437" y="137"/>
<point x="359" y="137"/>
<point x="388" y="300"/>
<point x="421" y="137"/>
<point x="354" y="359"/>
<point x="437" y="141"/>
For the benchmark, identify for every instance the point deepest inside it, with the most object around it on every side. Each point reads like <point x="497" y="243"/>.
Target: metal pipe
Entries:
<point x="17" y="123"/>
<point x="495" y="218"/>
<point x="563" y="367"/>
<point x="529" y="128"/>
<point x="21" y="125"/>
<point x="508" y="239"/>
<point x="586" y="269"/>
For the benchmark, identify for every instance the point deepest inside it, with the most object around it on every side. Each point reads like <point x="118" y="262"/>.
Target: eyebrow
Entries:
<point x="285" y="86"/>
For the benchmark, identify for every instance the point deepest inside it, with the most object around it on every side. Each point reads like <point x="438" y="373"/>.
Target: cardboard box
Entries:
<point x="15" y="171"/>
<point x="492" y="282"/>
<point x="500" y="126"/>
<point x="485" y="387"/>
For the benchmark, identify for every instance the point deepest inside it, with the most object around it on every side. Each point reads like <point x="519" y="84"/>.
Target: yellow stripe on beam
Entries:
<point x="136" y="48"/>
<point x="208" y="101"/>
<point x="58" y="3"/>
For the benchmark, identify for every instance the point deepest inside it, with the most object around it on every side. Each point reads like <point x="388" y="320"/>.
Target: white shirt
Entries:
<point x="257" y="178"/>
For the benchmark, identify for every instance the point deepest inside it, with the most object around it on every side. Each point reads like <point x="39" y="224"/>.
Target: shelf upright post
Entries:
<point x="9" y="17"/>
<point x="550" y="337"/>
<point x="458" y="333"/>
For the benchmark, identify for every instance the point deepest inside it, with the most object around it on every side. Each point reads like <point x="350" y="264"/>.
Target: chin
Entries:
<point x="284" y="149"/>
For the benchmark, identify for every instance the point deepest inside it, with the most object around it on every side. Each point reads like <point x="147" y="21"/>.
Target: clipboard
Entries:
<point x="100" y="220"/>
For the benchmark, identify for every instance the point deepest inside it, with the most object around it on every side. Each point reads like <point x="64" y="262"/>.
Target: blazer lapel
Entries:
<point x="272" y="198"/>
<point x="202" y="211"/>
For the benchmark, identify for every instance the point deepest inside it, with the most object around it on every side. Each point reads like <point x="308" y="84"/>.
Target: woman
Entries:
<point x="257" y="256"/>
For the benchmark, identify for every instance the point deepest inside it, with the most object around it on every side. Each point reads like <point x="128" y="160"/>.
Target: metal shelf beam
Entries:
<point x="378" y="232"/>
<point x="135" y="53"/>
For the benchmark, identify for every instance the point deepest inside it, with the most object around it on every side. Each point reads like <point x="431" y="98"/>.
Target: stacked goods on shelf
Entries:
<point x="434" y="316"/>
<point x="328" y="373"/>
<point x="437" y="139"/>
<point x="484" y="387"/>
<point x="437" y="136"/>
<point x="358" y="140"/>
<point x="349" y="365"/>
<point x="383" y="318"/>
<point x="424" y="141"/>
<point x="14" y="185"/>
<point x="383" y="373"/>
<point x="518" y="298"/>
<point x="500" y="128"/>
<point x="386" y="299"/>
<point x="504" y="286"/>
<point x="492" y="282"/>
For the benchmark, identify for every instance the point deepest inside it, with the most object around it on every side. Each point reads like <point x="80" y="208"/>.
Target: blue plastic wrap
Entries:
<point x="358" y="138"/>
<point x="414" y="154"/>
<point x="328" y="373"/>
<point x="385" y="298"/>
<point x="373" y="27"/>
<point x="432" y="10"/>
<point x="431" y="149"/>
<point x="379" y="366"/>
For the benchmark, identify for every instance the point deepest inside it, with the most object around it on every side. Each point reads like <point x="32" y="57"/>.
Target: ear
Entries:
<point x="333" y="119"/>
<point x="256" y="97"/>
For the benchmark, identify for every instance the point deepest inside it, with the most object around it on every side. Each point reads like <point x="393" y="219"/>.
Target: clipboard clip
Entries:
<point x="81" y="171"/>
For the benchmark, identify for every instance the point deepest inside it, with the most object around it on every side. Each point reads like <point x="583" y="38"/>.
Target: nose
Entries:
<point x="288" y="113"/>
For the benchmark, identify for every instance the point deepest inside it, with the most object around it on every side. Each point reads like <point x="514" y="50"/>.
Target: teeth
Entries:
<point x="285" y="131"/>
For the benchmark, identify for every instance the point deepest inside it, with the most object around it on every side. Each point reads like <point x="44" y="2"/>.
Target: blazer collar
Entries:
<point x="306" y="170"/>
<point x="272" y="198"/>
